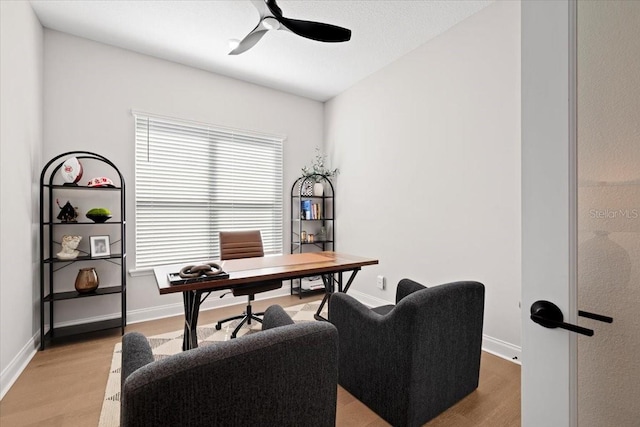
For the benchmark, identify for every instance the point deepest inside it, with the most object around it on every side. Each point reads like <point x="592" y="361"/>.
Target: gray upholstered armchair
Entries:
<point x="285" y="375"/>
<point x="410" y="361"/>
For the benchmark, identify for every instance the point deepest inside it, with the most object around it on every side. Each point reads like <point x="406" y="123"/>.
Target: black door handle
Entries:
<point x="594" y="316"/>
<point x="549" y="315"/>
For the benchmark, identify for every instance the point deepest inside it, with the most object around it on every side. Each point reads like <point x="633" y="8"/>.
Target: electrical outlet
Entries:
<point x="380" y="282"/>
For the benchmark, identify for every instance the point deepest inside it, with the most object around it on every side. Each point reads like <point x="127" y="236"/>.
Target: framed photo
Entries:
<point x="100" y="246"/>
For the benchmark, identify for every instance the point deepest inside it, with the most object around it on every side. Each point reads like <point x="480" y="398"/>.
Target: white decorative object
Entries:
<point x="318" y="189"/>
<point x="69" y="245"/>
<point x="100" y="181"/>
<point x="71" y="170"/>
<point x="306" y="187"/>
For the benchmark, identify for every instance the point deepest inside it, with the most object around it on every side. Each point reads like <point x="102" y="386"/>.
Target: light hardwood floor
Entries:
<point x="64" y="385"/>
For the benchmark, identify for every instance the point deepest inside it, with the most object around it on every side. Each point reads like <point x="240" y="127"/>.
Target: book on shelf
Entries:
<point x="310" y="210"/>
<point x="305" y="209"/>
<point x="311" y="283"/>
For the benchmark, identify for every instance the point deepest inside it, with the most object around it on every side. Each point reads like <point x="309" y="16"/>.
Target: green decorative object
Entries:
<point x="99" y="215"/>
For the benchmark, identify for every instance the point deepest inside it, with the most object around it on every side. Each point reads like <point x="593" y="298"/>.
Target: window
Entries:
<point x="194" y="180"/>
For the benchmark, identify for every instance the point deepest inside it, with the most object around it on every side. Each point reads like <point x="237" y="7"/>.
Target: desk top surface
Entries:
<point x="260" y="269"/>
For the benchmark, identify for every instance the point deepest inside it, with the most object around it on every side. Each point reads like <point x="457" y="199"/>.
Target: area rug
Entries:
<point x="164" y="345"/>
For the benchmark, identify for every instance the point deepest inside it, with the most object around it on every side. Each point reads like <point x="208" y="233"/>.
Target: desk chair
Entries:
<point x="244" y="244"/>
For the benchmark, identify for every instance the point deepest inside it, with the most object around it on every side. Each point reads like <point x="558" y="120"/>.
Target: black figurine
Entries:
<point x="67" y="212"/>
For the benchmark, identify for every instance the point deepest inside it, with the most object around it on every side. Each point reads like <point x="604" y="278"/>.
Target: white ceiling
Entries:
<point x="196" y="33"/>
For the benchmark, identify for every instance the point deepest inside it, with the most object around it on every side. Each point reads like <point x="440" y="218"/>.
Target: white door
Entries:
<point x="548" y="252"/>
<point x="581" y="205"/>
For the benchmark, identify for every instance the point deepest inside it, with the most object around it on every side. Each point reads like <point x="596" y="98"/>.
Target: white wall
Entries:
<point x="429" y="156"/>
<point x="20" y="160"/>
<point x="90" y="89"/>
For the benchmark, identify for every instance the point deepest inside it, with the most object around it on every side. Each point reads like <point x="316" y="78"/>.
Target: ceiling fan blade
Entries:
<point x="262" y="8"/>
<point x="316" y="30"/>
<point x="311" y="30"/>
<point x="250" y="40"/>
<point x="273" y="7"/>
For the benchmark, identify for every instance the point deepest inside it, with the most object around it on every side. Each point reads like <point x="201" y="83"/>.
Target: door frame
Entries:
<point x="549" y="206"/>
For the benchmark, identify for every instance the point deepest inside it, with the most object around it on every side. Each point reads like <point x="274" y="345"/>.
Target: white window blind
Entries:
<point x="194" y="180"/>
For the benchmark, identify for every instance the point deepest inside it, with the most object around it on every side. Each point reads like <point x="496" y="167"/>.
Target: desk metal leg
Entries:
<point x="192" y="301"/>
<point x="327" y="279"/>
<point x="349" y="282"/>
<point x="329" y="288"/>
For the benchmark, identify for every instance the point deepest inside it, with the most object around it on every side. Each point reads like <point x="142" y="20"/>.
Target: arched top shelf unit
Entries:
<point x="108" y="260"/>
<point x="313" y="224"/>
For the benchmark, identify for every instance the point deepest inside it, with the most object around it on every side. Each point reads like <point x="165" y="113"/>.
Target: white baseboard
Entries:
<point x="503" y="349"/>
<point x="13" y="370"/>
<point x="368" y="300"/>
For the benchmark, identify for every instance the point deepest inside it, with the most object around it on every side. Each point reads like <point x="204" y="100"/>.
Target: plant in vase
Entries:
<point x="317" y="172"/>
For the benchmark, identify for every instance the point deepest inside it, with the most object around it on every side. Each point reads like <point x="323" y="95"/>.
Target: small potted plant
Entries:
<point x="317" y="172"/>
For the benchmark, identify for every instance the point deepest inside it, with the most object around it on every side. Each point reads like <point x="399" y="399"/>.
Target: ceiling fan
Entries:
<point x="271" y="19"/>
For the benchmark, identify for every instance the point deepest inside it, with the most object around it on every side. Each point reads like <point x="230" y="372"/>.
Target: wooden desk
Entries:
<point x="329" y="265"/>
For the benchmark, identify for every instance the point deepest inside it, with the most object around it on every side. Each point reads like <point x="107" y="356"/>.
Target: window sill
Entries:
<point x="141" y="272"/>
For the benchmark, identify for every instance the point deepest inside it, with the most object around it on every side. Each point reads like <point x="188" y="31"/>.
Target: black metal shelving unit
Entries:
<point x="52" y="289"/>
<point x="320" y="216"/>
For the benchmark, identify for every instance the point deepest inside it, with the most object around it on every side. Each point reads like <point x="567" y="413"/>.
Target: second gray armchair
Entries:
<point x="410" y="361"/>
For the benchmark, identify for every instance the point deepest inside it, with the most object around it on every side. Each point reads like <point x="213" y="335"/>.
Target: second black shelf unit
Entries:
<point x="312" y="221"/>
